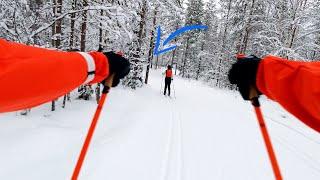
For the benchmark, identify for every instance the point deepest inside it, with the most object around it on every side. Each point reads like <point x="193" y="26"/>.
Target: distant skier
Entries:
<point x="168" y="80"/>
<point x="30" y="76"/>
<point x="293" y="84"/>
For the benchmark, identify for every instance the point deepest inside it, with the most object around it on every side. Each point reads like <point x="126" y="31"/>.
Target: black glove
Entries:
<point x="118" y="65"/>
<point x="243" y="74"/>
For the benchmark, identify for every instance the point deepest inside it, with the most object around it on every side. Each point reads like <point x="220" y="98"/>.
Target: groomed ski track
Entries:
<point x="202" y="134"/>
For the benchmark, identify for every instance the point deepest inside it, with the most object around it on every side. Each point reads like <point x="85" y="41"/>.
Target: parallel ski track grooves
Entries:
<point x="299" y="154"/>
<point x="180" y="149"/>
<point x="175" y="127"/>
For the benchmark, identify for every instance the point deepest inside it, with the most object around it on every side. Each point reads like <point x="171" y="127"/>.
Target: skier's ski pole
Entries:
<point x="161" y="90"/>
<point x="91" y="129"/>
<point x="174" y="91"/>
<point x="267" y="141"/>
<point x="161" y="86"/>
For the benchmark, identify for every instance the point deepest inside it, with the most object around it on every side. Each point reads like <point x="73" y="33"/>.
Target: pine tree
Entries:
<point x="135" y="77"/>
<point x="285" y="28"/>
<point x="195" y="13"/>
<point x="210" y="49"/>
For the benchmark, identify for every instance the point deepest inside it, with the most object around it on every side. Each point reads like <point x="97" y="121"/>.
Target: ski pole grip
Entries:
<point x="108" y="84"/>
<point x="255" y="102"/>
<point x="105" y="90"/>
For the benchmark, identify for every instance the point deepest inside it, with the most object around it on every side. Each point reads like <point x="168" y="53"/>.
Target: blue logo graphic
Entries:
<point x="172" y="36"/>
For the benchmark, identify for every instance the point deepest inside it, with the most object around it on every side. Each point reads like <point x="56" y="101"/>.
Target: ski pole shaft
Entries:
<point x="174" y="91"/>
<point x="267" y="141"/>
<point x="161" y="86"/>
<point x="91" y="130"/>
<point x="88" y="138"/>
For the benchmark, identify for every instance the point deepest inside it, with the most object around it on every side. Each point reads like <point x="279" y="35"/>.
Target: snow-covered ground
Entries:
<point x="202" y="134"/>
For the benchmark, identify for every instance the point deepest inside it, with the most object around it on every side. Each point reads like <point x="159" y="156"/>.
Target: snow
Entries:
<point x="202" y="134"/>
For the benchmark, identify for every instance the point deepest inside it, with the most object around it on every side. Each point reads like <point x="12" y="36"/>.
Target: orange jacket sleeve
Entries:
<point x="293" y="84"/>
<point x="30" y="76"/>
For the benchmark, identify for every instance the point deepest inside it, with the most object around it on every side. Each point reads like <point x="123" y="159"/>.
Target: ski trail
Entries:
<point x="300" y="155"/>
<point x="203" y="134"/>
<point x="180" y="150"/>
<point x="176" y="160"/>
<point x="173" y="163"/>
<point x="168" y="150"/>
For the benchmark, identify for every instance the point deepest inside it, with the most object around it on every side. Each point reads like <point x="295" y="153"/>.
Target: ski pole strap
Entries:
<point x="106" y="89"/>
<point x="255" y="102"/>
<point x="90" y="134"/>
<point x="267" y="141"/>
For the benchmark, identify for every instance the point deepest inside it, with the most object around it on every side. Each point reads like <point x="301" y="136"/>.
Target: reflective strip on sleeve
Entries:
<point x="91" y="66"/>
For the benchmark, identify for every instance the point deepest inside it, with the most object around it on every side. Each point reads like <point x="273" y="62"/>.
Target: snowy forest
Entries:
<point x="286" y="28"/>
<point x="203" y="130"/>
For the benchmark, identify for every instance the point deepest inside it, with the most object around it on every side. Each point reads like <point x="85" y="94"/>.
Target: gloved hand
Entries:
<point x="118" y="65"/>
<point x="243" y="74"/>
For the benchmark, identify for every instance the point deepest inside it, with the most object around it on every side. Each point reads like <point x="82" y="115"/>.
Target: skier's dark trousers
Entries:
<point x="168" y="80"/>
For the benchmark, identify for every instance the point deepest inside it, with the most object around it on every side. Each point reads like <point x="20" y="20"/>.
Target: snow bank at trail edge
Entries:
<point x="204" y="133"/>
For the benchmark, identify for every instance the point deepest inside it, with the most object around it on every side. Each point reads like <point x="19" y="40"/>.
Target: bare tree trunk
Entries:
<point x="54" y="24"/>
<point x="53" y="41"/>
<point x="199" y="64"/>
<point x="223" y="46"/>
<point x="157" y="61"/>
<point x="226" y="26"/>
<point x="294" y="27"/>
<point x="25" y="112"/>
<point x="136" y="55"/>
<point x="98" y="93"/>
<point x="53" y="105"/>
<point x="84" y="27"/>
<point x="64" y="101"/>
<point x="142" y="25"/>
<point x="175" y="70"/>
<point x="58" y="25"/>
<point x="58" y="31"/>
<point x="100" y="31"/>
<point x="185" y="58"/>
<point x="73" y="16"/>
<point x="35" y="7"/>
<point x="175" y="50"/>
<point x="65" y="98"/>
<point x="198" y="71"/>
<point x="244" y="43"/>
<point x="173" y="55"/>
<point x="151" y="47"/>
